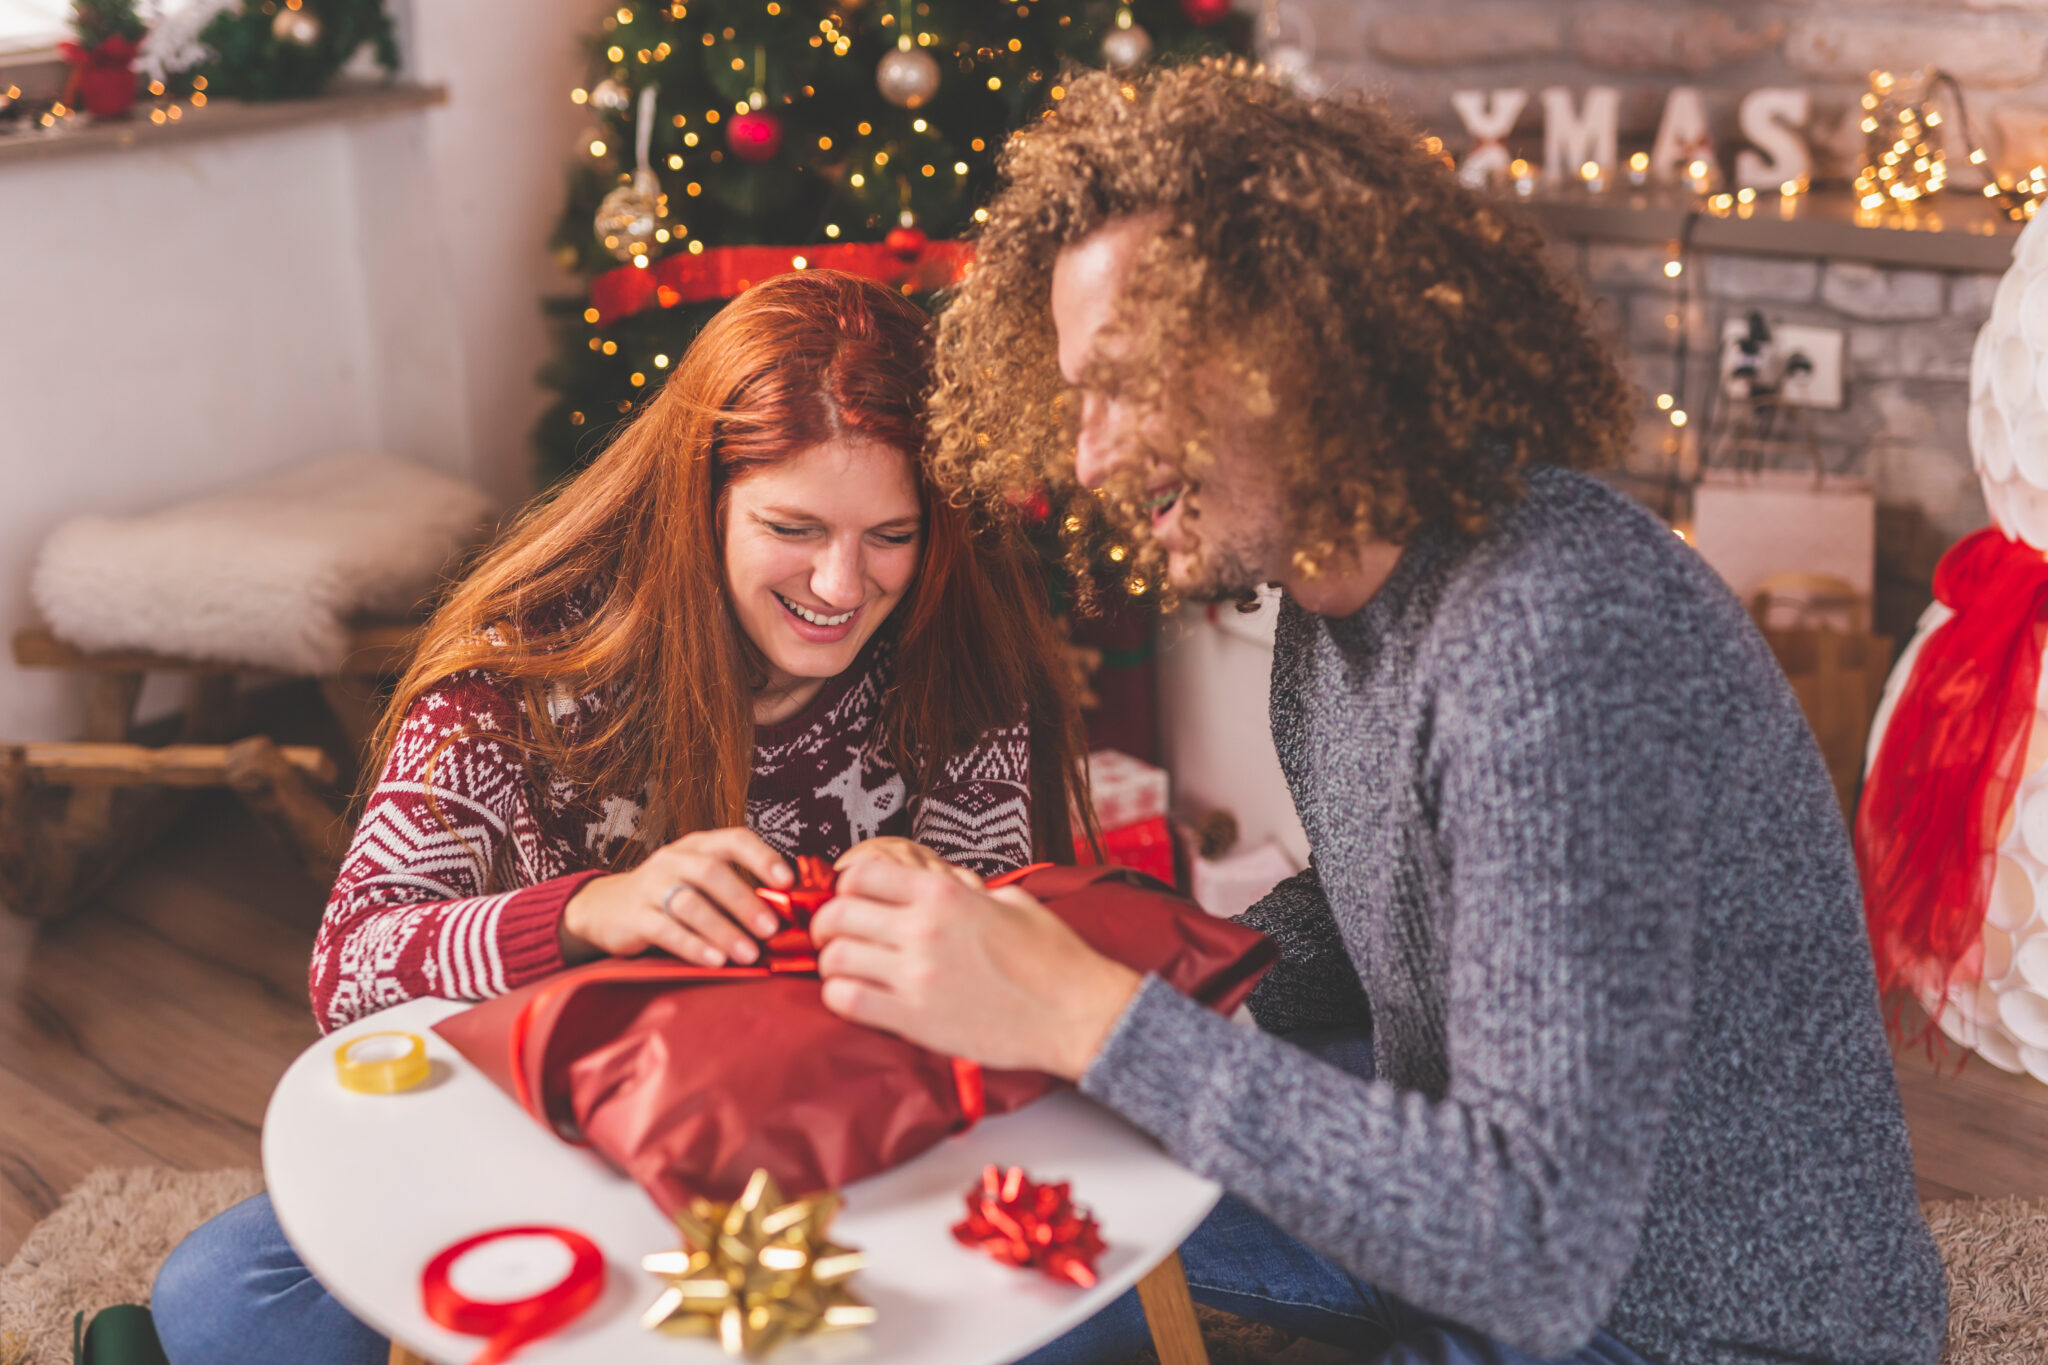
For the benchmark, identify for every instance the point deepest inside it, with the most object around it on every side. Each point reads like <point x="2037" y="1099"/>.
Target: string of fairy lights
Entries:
<point x="1904" y="166"/>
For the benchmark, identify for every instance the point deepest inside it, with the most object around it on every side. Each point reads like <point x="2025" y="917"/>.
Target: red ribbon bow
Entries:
<point x="1023" y="1223"/>
<point x="1927" y="830"/>
<point x="790" y="949"/>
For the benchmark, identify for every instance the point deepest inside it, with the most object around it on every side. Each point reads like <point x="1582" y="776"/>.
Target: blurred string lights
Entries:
<point x="1905" y="160"/>
<point x="20" y="114"/>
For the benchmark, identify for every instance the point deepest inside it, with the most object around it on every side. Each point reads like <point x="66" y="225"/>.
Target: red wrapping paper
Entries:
<point x="1952" y="757"/>
<point x="687" y="1078"/>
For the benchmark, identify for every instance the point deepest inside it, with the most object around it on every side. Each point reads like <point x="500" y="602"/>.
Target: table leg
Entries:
<point x="401" y="1356"/>
<point x="1170" y="1313"/>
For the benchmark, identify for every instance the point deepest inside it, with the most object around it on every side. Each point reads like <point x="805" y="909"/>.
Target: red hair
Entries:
<point x="635" y="542"/>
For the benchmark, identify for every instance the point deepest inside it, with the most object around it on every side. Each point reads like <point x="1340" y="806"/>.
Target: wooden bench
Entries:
<point x="72" y="813"/>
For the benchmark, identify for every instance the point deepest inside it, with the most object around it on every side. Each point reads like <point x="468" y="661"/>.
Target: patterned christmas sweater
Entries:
<point x="413" y="912"/>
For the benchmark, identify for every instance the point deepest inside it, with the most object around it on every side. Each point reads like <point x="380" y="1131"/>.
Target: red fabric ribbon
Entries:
<point x="723" y="272"/>
<point x="1023" y="1223"/>
<point x="512" y="1323"/>
<point x="1927" y="829"/>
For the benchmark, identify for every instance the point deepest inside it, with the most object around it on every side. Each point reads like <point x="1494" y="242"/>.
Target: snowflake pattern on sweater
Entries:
<point x="409" y="915"/>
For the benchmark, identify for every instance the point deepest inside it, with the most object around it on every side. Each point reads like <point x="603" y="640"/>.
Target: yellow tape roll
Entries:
<point x="382" y="1063"/>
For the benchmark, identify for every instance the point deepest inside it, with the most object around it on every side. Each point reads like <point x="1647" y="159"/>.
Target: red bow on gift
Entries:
<point x="790" y="949"/>
<point x="1023" y="1223"/>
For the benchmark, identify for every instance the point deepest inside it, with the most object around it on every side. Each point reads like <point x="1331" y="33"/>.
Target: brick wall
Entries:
<point x="1909" y="335"/>
<point x="1908" y="332"/>
<point x="1415" y="54"/>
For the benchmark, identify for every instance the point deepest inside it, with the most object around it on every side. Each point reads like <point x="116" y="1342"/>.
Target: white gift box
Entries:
<point x="1756" y="526"/>
<point x="1127" y="791"/>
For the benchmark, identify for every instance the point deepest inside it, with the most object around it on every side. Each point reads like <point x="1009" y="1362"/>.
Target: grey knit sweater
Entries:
<point x="1575" y="850"/>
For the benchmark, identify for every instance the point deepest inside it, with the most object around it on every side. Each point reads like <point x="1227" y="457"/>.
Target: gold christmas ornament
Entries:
<point x="757" y="1271"/>
<point x="907" y="77"/>
<point x="628" y="217"/>
<point x="296" y="26"/>
<point x="630" y="214"/>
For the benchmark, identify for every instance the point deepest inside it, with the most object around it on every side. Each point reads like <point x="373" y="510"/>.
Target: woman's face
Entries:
<point x="818" y="550"/>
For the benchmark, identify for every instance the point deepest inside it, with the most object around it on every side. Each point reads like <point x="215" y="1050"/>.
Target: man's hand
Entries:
<point x="990" y="976"/>
<point x="906" y="853"/>
<point x="693" y="898"/>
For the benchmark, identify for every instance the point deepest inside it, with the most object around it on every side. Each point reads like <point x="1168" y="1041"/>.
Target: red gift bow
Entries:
<point x="1023" y="1223"/>
<point x="725" y="272"/>
<point x="512" y="1323"/>
<point x="1952" y="758"/>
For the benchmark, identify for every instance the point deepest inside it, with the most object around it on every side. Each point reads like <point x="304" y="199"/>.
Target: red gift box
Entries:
<point x="687" y="1078"/>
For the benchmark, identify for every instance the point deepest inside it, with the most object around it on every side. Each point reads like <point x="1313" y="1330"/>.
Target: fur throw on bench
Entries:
<point x="268" y="574"/>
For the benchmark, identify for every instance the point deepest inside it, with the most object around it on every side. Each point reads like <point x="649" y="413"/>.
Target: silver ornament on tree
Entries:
<point x="611" y="96"/>
<point x="1127" y="44"/>
<point x="628" y="216"/>
<point x="296" y="25"/>
<point x="907" y="77"/>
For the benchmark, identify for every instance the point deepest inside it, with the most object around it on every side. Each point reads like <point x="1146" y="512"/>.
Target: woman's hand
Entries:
<point x="904" y="853"/>
<point x="994" y="977"/>
<point x="693" y="899"/>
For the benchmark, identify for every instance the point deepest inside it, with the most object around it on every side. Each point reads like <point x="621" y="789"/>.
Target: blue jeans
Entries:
<point x="1239" y="1262"/>
<point x="235" y="1293"/>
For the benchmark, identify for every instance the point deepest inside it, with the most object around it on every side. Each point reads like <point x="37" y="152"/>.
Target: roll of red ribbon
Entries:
<point x="511" y="1323"/>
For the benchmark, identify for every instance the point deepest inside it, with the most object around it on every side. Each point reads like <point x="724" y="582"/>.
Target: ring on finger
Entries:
<point x="668" y="898"/>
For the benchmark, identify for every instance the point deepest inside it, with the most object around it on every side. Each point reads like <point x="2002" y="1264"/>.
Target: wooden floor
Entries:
<point x="149" y="1027"/>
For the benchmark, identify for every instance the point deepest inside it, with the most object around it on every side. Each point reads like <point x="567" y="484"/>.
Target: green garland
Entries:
<point x="252" y="62"/>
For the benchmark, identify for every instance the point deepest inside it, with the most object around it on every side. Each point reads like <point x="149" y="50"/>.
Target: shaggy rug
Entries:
<point x="102" y="1246"/>
<point x="105" y="1241"/>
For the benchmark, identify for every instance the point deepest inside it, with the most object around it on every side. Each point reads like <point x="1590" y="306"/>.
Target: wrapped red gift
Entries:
<point x="687" y="1078"/>
<point x="1023" y="1223"/>
<point x="1145" y="847"/>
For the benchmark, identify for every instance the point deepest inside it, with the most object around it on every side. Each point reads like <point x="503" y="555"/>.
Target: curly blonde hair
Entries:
<point x="1406" y="344"/>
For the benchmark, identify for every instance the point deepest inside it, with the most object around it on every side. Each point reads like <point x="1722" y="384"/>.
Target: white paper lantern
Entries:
<point x="2005" y="1018"/>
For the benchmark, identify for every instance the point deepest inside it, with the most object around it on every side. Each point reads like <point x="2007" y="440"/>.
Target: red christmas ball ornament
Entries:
<point x="1204" y="12"/>
<point x="906" y="242"/>
<point x="754" y="136"/>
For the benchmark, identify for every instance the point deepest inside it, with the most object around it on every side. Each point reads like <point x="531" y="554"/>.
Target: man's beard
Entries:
<point x="1216" y="570"/>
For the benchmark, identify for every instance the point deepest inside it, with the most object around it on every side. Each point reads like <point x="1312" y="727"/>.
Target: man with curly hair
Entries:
<point x="1577" y="866"/>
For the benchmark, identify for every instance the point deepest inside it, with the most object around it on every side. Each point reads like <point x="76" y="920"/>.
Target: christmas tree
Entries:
<point x="859" y="134"/>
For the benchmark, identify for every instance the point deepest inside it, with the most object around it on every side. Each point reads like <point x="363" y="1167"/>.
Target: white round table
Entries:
<point x="369" y="1187"/>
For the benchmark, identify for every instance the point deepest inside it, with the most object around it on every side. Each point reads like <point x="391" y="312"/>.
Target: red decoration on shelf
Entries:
<point x="1023" y="1223"/>
<point x="102" y="78"/>
<point x="755" y="136"/>
<point x="724" y="272"/>
<point x="1204" y="12"/>
<point x="513" y="1323"/>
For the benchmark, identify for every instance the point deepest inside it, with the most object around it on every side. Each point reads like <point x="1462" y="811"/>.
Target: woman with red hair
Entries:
<point x="753" y="628"/>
